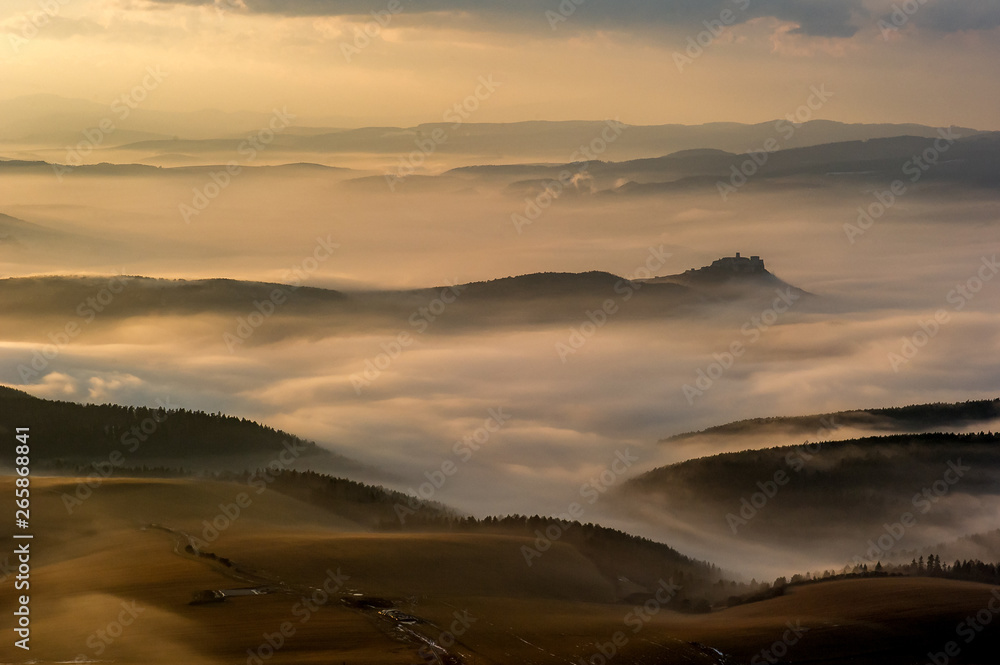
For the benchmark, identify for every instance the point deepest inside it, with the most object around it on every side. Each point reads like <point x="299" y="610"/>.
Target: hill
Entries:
<point x="778" y="430"/>
<point x="832" y="501"/>
<point x="24" y="241"/>
<point x="308" y="312"/>
<point x="163" y="542"/>
<point x="68" y="437"/>
<point x="964" y="158"/>
<point x="14" y="231"/>
<point x="732" y="278"/>
<point x="318" y="585"/>
<point x="541" y="139"/>
<point x="977" y="546"/>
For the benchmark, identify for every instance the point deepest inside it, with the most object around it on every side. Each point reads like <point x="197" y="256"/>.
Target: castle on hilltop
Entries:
<point x="739" y="264"/>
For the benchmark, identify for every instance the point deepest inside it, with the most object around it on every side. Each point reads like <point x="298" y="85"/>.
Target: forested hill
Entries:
<point x="67" y="435"/>
<point x="631" y="564"/>
<point x="833" y="496"/>
<point x="913" y="418"/>
<point x="886" y="464"/>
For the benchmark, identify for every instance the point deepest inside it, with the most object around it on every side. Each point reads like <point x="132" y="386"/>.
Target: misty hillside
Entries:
<point x="17" y="232"/>
<point x="63" y="294"/>
<point x="105" y="169"/>
<point x="543" y="284"/>
<point x="970" y="161"/>
<point x="24" y="240"/>
<point x="959" y="156"/>
<point x="66" y="436"/>
<point x="720" y="280"/>
<point x="913" y="418"/>
<point x="551" y="297"/>
<point x="969" y="158"/>
<point x="732" y="278"/>
<point x="829" y="496"/>
<point x="308" y="311"/>
<point x="976" y="546"/>
<point x="630" y="564"/>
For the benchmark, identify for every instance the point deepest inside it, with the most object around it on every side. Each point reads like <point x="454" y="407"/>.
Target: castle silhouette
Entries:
<point x="739" y="264"/>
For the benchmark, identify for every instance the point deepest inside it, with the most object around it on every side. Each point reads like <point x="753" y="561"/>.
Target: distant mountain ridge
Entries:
<point x="552" y="138"/>
<point x="971" y="159"/>
<point x="57" y="121"/>
<point x="41" y="167"/>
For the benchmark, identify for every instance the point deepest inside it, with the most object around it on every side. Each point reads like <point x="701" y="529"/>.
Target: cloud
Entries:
<point x="52" y="27"/>
<point x="957" y="16"/>
<point x="816" y="18"/>
<point x="822" y="18"/>
<point x="942" y="16"/>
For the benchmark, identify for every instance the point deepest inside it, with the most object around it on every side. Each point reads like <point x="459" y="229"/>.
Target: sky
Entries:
<point x="401" y="62"/>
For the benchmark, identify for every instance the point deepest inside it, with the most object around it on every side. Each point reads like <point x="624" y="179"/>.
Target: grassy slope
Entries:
<point x="87" y="563"/>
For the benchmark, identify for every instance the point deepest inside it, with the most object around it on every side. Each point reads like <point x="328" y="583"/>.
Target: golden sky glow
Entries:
<point x="597" y="63"/>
